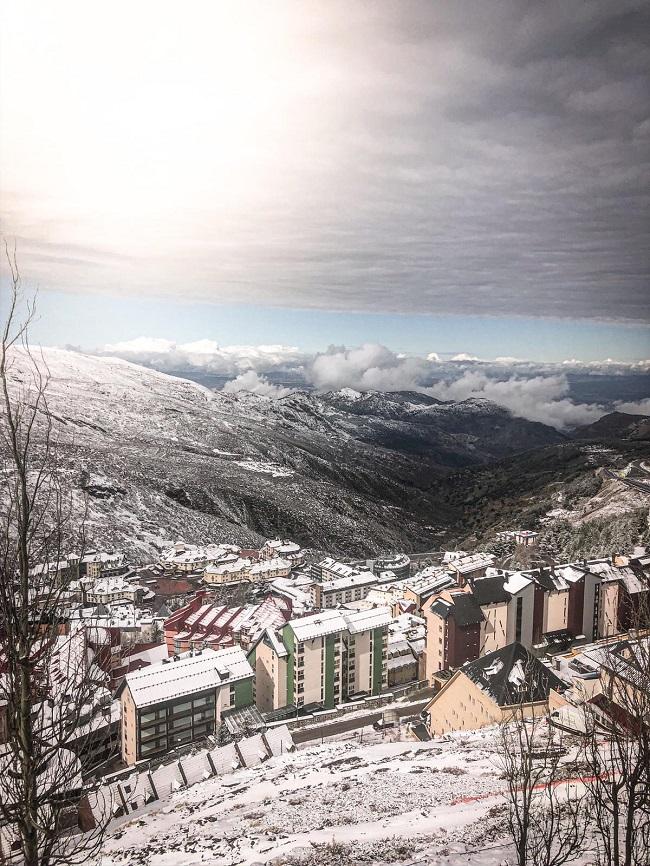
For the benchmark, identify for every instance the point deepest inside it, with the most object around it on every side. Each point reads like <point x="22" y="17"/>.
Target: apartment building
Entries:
<point x="469" y="566"/>
<point x="62" y="571"/>
<point x="454" y="619"/>
<point x="425" y="584"/>
<point x="278" y="548"/>
<point x="98" y="564"/>
<point x="112" y="590"/>
<point x="189" y="558"/>
<point x="331" y="569"/>
<point x="322" y="659"/>
<point x="487" y="691"/>
<point x="493" y="600"/>
<point x="240" y="569"/>
<point x="202" y="623"/>
<point x="343" y="590"/>
<point x="180" y="700"/>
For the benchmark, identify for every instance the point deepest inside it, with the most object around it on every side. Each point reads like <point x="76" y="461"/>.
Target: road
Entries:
<point x="330" y="729"/>
<point x="635" y="483"/>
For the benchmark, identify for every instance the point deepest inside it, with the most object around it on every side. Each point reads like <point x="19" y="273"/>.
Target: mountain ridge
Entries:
<point x="162" y="458"/>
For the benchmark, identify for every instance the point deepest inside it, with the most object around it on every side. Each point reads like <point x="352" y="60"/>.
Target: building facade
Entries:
<point x="322" y="659"/>
<point x="168" y="705"/>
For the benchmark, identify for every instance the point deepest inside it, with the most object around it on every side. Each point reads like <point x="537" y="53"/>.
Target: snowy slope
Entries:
<point x="384" y="803"/>
<point x="163" y="458"/>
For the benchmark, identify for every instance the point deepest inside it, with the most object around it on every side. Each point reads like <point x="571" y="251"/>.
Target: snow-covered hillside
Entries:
<point x="163" y="458"/>
<point x="387" y="802"/>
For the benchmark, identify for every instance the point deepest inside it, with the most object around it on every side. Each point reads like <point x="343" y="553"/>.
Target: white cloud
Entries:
<point x="206" y="355"/>
<point x="539" y="398"/>
<point x="507" y="361"/>
<point x="255" y="384"/>
<point x="539" y="392"/>
<point x="639" y="407"/>
<point x="608" y="365"/>
<point x="141" y="346"/>
<point x="368" y="367"/>
<point x="463" y="356"/>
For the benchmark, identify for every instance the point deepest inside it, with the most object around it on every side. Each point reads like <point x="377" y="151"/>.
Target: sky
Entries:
<point x="461" y="177"/>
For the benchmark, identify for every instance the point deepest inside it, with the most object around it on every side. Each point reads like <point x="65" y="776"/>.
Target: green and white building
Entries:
<point x="322" y="659"/>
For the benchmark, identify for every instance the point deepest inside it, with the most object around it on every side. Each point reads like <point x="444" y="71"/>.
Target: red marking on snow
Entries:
<point x="461" y="800"/>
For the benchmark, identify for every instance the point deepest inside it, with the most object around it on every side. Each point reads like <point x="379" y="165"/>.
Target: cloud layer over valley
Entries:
<point x="536" y="391"/>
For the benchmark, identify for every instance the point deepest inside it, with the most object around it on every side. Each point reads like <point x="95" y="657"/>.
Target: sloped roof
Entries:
<point x="363" y="620"/>
<point x="512" y="675"/>
<point x="190" y="673"/>
<point x="318" y="625"/>
<point x="465" y="609"/>
<point x="490" y="590"/>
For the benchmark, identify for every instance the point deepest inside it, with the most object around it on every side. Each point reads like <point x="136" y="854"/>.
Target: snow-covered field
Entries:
<point x="383" y="802"/>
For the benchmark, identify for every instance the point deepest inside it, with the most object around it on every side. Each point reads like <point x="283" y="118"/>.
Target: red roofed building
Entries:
<point x="202" y="623"/>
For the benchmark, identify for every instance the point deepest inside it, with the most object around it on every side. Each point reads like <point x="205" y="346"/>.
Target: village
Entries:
<point x="214" y="659"/>
<point x="215" y="643"/>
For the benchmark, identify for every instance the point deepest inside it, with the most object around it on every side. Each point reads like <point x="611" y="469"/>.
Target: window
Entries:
<point x="181" y="738"/>
<point x="519" y="617"/>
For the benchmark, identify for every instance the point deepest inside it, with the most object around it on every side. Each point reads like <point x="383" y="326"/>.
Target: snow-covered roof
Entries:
<point x="362" y="578"/>
<point x="428" y="580"/>
<point x="188" y="554"/>
<point x="229" y="566"/>
<point x="111" y="585"/>
<point x="103" y="558"/>
<point x="266" y="565"/>
<point x="570" y="573"/>
<point x="516" y="581"/>
<point x="363" y="620"/>
<point x="283" y="547"/>
<point x="453" y="555"/>
<point x="295" y="589"/>
<point x="472" y="562"/>
<point x="192" y="672"/>
<point x="318" y="625"/>
<point x="278" y="647"/>
<point x="338" y="568"/>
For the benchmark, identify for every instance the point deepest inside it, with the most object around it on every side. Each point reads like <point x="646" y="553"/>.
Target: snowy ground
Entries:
<point x="341" y="802"/>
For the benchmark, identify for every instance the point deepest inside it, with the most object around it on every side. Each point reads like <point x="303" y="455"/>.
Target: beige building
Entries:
<point x="321" y="659"/>
<point x="425" y="584"/>
<point x="343" y="590"/>
<point x="111" y="590"/>
<point x="237" y="569"/>
<point x="470" y="566"/>
<point x="490" y="689"/>
<point x="493" y="599"/>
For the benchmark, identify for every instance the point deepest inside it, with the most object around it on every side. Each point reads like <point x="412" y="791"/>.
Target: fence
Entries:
<point x="341" y="710"/>
<point x="132" y="792"/>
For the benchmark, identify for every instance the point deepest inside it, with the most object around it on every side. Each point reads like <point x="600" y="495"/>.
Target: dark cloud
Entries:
<point x="465" y="157"/>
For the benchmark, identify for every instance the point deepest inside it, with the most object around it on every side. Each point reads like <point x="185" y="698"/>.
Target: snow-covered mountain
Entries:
<point x="163" y="458"/>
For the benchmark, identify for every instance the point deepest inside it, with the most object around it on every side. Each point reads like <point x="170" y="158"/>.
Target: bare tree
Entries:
<point x="617" y="747"/>
<point x="49" y="681"/>
<point x="548" y="817"/>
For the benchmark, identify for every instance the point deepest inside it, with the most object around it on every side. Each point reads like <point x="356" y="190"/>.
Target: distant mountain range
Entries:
<point x="162" y="458"/>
